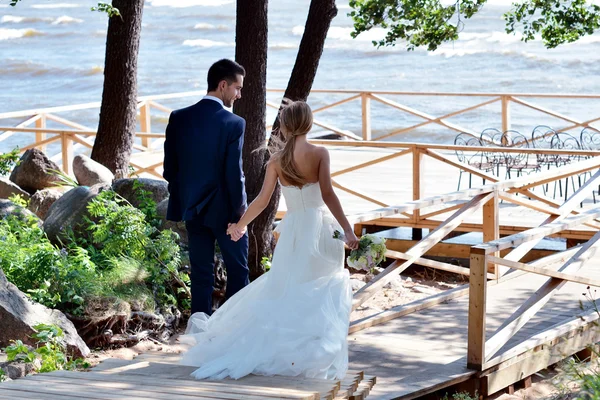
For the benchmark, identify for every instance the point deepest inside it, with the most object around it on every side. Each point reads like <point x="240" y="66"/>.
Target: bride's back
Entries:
<point x="306" y="158"/>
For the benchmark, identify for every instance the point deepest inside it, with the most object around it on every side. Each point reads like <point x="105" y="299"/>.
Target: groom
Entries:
<point x="203" y="165"/>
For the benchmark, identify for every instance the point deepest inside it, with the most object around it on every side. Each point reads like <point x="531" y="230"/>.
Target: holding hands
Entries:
<point x="235" y="231"/>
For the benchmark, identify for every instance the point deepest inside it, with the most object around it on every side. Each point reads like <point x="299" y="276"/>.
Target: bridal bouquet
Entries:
<point x="370" y="253"/>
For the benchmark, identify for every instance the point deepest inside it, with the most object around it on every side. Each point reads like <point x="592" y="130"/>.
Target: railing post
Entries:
<point x="477" y="314"/>
<point x="366" y="115"/>
<point x="491" y="226"/>
<point x="505" y="113"/>
<point x="145" y="123"/>
<point x="40" y="123"/>
<point x="417" y="233"/>
<point x="67" y="151"/>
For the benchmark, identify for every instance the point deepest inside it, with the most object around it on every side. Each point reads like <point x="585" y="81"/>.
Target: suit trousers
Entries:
<point x="201" y="240"/>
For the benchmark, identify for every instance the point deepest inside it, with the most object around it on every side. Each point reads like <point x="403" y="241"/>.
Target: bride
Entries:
<point x="293" y="320"/>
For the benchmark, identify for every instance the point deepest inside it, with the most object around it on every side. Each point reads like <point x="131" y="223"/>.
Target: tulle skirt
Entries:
<point x="291" y="321"/>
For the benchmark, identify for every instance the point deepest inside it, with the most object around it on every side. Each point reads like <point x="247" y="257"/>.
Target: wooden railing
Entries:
<point x="485" y="200"/>
<point x="49" y="127"/>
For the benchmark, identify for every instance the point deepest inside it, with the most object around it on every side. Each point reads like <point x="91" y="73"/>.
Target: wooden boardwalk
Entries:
<point x="160" y="377"/>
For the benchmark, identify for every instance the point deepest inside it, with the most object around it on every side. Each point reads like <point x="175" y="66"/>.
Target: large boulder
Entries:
<point x="42" y="200"/>
<point x="159" y="190"/>
<point x="177" y="227"/>
<point x="7" y="208"/>
<point x="34" y="171"/>
<point x="19" y="315"/>
<point x="8" y="188"/>
<point x="68" y="211"/>
<point x="89" y="172"/>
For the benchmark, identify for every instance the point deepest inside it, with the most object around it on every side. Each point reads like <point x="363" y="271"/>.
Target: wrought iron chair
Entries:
<point x="565" y="141"/>
<point x="474" y="159"/>
<point x="492" y="137"/>
<point x="518" y="162"/>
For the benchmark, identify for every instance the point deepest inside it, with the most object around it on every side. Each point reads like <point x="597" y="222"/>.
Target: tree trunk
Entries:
<point x="251" y="52"/>
<point x="320" y="15"/>
<point x="117" y="126"/>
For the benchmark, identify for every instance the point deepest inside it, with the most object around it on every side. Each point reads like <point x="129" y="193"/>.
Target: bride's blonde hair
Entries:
<point x="295" y="119"/>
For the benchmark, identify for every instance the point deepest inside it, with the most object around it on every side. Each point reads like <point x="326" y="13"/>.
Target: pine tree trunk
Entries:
<point x="251" y="52"/>
<point x="320" y="15"/>
<point x="117" y="126"/>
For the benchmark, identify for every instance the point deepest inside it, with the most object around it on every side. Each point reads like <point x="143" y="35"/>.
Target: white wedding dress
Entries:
<point x="293" y="320"/>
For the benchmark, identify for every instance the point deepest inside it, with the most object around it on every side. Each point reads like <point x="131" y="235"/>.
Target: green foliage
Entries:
<point x="461" y="396"/>
<point x="419" y="22"/>
<point x="64" y="180"/>
<point x="9" y="160"/>
<point x="3" y="376"/>
<point x="18" y="200"/>
<point x="147" y="205"/>
<point x="107" y="8"/>
<point x="266" y="262"/>
<point x="50" y="350"/>
<point x="123" y="232"/>
<point x="40" y="269"/>
<point x="14" y="2"/>
<point x="431" y="22"/>
<point x="558" y="22"/>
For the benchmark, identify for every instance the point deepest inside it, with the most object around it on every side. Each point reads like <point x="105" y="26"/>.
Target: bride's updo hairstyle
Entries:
<point x="295" y="119"/>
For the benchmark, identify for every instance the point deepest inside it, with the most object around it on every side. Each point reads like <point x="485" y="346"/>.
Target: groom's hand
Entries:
<point x="235" y="232"/>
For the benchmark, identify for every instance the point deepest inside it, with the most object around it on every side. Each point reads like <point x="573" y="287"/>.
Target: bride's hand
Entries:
<point x="351" y="240"/>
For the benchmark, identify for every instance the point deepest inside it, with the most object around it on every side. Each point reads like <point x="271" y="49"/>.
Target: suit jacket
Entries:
<point x="203" y="165"/>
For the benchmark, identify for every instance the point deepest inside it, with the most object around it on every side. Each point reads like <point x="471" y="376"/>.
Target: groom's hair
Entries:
<point x="224" y="70"/>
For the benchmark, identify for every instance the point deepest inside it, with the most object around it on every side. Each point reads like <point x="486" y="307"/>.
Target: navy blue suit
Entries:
<point x="203" y="166"/>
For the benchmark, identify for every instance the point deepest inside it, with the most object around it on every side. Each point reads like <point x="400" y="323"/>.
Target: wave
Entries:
<point x="283" y="46"/>
<point x="188" y="3"/>
<point x="209" y="27"/>
<point x="13" y="19"/>
<point x="6" y="34"/>
<point x="65" y="19"/>
<point x="206" y="43"/>
<point x="57" y="5"/>
<point x="95" y="70"/>
<point x="343" y="33"/>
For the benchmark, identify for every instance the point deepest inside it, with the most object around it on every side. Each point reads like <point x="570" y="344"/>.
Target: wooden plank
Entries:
<point x="372" y="162"/>
<point x="477" y="311"/>
<point x="367" y="291"/>
<point x="417" y="188"/>
<point x="491" y="226"/>
<point x="358" y="194"/>
<point x="564" y="327"/>
<point x="192" y="384"/>
<point x="366" y="115"/>
<point x="173" y="388"/>
<point x="539" y="232"/>
<point x="541" y="359"/>
<point x="522" y="315"/>
<point x="430" y="263"/>
<point x="546" y="272"/>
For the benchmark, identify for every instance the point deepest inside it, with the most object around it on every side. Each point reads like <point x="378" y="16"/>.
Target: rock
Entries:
<point x="42" y="200"/>
<point x="395" y="284"/>
<point x="89" y="172"/>
<point x="16" y="370"/>
<point x="68" y="211"/>
<point x="177" y="227"/>
<point x="19" y="314"/>
<point x="7" y="207"/>
<point x="33" y="172"/>
<point x="356" y="284"/>
<point x="8" y="188"/>
<point x="158" y="189"/>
